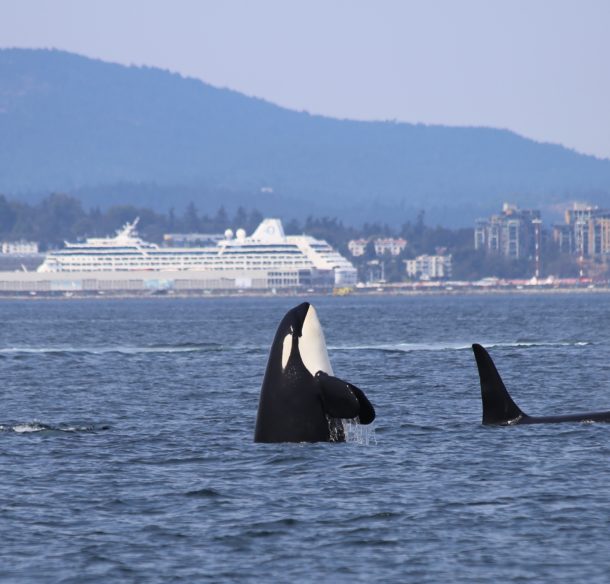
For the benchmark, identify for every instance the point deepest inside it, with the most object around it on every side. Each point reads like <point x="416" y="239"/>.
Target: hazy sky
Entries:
<point x="538" y="67"/>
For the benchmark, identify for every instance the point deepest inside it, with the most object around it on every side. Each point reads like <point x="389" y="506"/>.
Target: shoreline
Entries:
<point x="357" y="293"/>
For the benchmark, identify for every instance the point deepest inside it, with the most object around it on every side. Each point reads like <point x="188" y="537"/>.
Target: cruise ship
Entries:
<point x="266" y="259"/>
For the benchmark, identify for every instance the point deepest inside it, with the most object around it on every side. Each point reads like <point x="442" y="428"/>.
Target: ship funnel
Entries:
<point x="269" y="230"/>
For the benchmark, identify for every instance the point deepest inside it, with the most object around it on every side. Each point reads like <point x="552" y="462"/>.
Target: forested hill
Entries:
<point x="110" y="133"/>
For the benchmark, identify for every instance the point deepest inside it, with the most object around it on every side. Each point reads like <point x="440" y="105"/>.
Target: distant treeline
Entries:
<point x="60" y="217"/>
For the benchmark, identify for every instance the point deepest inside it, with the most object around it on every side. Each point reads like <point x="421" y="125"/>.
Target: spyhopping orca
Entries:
<point x="300" y="400"/>
<point x="499" y="408"/>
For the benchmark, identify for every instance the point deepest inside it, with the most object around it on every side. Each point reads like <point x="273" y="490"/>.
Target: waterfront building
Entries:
<point x="382" y="245"/>
<point x="586" y="231"/>
<point x="19" y="247"/>
<point x="429" y="267"/>
<point x="563" y="236"/>
<point x="513" y="233"/>
<point x="389" y="245"/>
<point x="357" y="247"/>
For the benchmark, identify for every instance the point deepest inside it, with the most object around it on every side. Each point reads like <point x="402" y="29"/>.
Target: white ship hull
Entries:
<point x="267" y="257"/>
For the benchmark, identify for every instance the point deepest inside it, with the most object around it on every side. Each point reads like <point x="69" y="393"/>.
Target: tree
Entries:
<point x="241" y="218"/>
<point x="221" y="221"/>
<point x="293" y="227"/>
<point x="171" y="220"/>
<point x="56" y="216"/>
<point x="191" y="218"/>
<point x="254" y="220"/>
<point x="8" y="216"/>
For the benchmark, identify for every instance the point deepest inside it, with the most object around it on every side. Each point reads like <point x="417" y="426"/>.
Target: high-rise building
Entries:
<point x="586" y="231"/>
<point x="512" y="233"/>
<point x="429" y="267"/>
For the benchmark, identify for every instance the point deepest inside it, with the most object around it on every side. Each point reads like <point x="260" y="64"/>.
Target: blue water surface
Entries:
<point x="126" y="450"/>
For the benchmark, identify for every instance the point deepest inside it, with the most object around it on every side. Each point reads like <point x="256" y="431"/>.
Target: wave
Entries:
<point x="122" y="350"/>
<point x="205" y="493"/>
<point x="30" y="427"/>
<point x="213" y="347"/>
<point x="413" y="347"/>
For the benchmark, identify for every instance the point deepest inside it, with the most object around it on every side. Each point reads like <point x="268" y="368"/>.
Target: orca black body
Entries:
<point x="300" y="400"/>
<point x="498" y="407"/>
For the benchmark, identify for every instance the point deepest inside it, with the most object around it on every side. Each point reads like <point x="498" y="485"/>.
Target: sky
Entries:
<point x="538" y="67"/>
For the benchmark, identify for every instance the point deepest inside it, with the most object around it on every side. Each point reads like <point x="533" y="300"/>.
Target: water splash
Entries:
<point x="27" y="428"/>
<point x="31" y="427"/>
<point x="358" y="433"/>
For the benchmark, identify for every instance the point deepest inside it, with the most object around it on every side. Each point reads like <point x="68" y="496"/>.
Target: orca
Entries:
<point x="300" y="399"/>
<point x="499" y="409"/>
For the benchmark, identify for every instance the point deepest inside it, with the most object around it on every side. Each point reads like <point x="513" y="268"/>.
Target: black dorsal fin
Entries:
<point x="498" y="406"/>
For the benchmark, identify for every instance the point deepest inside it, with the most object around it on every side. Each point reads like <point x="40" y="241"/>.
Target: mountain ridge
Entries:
<point x="88" y="127"/>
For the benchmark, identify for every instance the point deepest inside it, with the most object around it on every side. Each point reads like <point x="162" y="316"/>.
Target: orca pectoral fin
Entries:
<point x="367" y="411"/>
<point x="344" y="400"/>
<point x="339" y="400"/>
<point x="498" y="406"/>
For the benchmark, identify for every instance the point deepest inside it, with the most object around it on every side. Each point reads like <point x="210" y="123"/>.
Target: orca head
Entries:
<point x="302" y="340"/>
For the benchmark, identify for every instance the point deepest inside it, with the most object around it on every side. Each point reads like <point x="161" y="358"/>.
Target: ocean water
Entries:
<point x="126" y="450"/>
